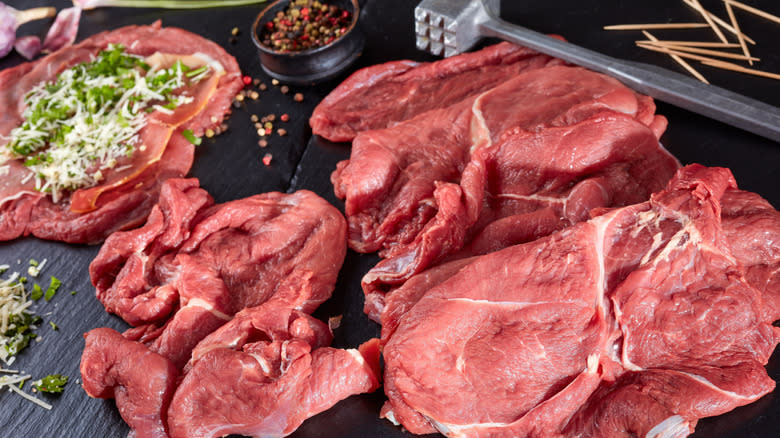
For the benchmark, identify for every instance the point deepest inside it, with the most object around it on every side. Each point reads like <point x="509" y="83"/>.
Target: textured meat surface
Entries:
<point x="193" y="265"/>
<point x="525" y="186"/>
<point x="190" y="269"/>
<point x="124" y="201"/>
<point x="389" y="181"/>
<point x="264" y="373"/>
<point x="141" y="381"/>
<point x="752" y="227"/>
<point x="639" y="320"/>
<point x="379" y="96"/>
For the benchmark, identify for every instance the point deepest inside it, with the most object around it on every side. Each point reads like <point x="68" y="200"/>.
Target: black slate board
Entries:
<point x="229" y="167"/>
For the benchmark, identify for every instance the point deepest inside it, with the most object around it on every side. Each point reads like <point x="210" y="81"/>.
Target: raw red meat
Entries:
<point x="264" y="373"/>
<point x="193" y="265"/>
<point x="524" y="186"/>
<point x="389" y="180"/>
<point x="141" y="381"/>
<point x="189" y="270"/>
<point x="641" y="319"/>
<point x="381" y="95"/>
<point x="125" y="198"/>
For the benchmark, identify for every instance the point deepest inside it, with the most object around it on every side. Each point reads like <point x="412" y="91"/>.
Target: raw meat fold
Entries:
<point x="639" y="320"/>
<point x="215" y="291"/>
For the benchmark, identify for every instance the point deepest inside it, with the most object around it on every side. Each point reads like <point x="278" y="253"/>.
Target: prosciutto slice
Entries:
<point x="127" y="194"/>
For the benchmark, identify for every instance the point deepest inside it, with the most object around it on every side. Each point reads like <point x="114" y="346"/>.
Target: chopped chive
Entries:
<point x="52" y="289"/>
<point x="187" y="133"/>
<point x="36" y="293"/>
<point x="197" y="71"/>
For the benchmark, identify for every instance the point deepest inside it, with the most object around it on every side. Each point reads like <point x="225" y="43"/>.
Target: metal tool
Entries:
<point x="452" y="26"/>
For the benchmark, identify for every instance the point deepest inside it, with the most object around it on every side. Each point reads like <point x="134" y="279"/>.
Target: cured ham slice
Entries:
<point x="128" y="191"/>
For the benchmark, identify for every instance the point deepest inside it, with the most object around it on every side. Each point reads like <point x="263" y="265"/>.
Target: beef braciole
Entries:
<point x="186" y="273"/>
<point x="91" y="131"/>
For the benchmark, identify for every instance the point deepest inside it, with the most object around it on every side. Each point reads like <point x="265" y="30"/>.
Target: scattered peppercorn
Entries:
<point x="267" y="159"/>
<point x="281" y="131"/>
<point x="209" y="133"/>
<point x="285" y="89"/>
<point x="262" y="87"/>
<point x="254" y="95"/>
<point x="275" y="82"/>
<point x="298" y="97"/>
<point x="253" y="117"/>
<point x="284" y="117"/>
<point x="235" y="31"/>
<point x="262" y="143"/>
<point x="271" y="117"/>
<point x="247" y="80"/>
<point x="305" y="25"/>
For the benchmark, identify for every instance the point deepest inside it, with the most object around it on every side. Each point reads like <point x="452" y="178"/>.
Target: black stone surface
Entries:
<point x="229" y="167"/>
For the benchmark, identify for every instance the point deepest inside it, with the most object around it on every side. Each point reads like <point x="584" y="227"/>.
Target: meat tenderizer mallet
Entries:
<point x="447" y="27"/>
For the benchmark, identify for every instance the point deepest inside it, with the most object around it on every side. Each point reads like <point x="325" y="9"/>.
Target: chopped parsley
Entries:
<point x="53" y="383"/>
<point x="54" y="285"/>
<point x="88" y="119"/>
<point x="37" y="292"/>
<point x="187" y="133"/>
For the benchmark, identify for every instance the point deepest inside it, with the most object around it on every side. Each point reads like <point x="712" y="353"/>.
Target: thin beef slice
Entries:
<point x="265" y="372"/>
<point x="188" y="271"/>
<point x="382" y="95"/>
<point x="638" y="320"/>
<point x="525" y="186"/>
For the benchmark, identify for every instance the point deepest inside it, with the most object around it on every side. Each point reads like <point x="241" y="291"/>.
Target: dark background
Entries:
<point x="229" y="167"/>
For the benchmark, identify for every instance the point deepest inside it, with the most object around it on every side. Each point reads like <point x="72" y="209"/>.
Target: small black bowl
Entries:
<point x="313" y="65"/>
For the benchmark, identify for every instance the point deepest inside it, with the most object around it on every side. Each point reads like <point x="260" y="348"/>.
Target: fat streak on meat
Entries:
<point x="637" y="322"/>
<point x="126" y="197"/>
<point x="189" y="270"/>
<point x="528" y="157"/>
<point x="379" y="96"/>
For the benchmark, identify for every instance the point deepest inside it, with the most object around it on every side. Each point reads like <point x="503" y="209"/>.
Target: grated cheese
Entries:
<point x="73" y="133"/>
<point x="14" y="301"/>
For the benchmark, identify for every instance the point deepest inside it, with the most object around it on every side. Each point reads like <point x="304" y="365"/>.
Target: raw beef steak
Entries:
<point x="189" y="270"/>
<point x="525" y="186"/>
<point x="264" y="373"/>
<point x="381" y="95"/>
<point x="637" y="322"/>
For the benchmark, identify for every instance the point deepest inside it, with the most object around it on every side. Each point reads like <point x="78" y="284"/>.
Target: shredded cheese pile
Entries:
<point x="14" y="301"/>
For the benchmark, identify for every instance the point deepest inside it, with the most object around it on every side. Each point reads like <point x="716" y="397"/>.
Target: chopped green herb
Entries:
<point x="53" y="325"/>
<point x="73" y="292"/>
<point x="197" y="71"/>
<point x="53" y="383"/>
<point x="52" y="289"/>
<point x="20" y="332"/>
<point x="187" y="133"/>
<point x="77" y="127"/>
<point x="33" y="262"/>
<point x="37" y="292"/>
